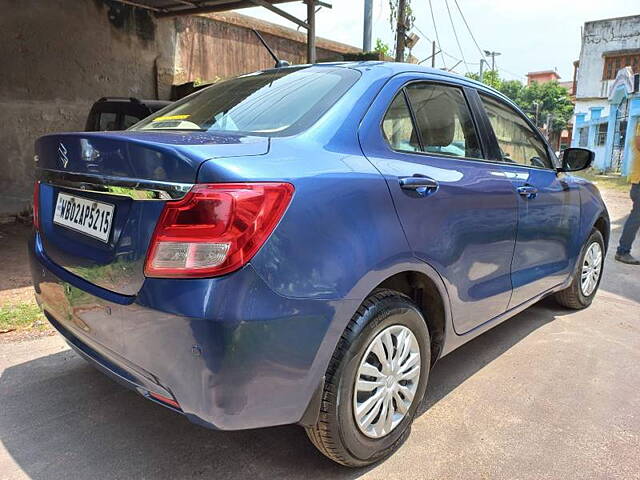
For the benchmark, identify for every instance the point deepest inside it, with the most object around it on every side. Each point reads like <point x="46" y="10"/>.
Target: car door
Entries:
<point x="458" y="211"/>
<point x="548" y="206"/>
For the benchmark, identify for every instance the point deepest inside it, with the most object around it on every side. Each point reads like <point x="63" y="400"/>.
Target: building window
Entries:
<point x="583" y="136"/>
<point x="613" y="63"/>
<point x="601" y="138"/>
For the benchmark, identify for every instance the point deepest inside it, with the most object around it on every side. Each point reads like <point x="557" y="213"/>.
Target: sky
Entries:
<point x="530" y="36"/>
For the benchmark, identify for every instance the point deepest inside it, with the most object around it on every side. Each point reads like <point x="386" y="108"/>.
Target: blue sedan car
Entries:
<point x="301" y="245"/>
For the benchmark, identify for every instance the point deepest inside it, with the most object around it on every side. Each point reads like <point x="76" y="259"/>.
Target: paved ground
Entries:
<point x="548" y="394"/>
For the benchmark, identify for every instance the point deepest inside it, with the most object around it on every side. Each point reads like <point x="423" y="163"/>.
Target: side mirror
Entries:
<point x="576" y="159"/>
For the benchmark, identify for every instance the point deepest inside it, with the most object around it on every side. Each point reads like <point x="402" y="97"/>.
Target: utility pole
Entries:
<point x="482" y="60"/>
<point x="433" y="54"/>
<point x="493" y="56"/>
<point x="400" y="30"/>
<point x="368" y="19"/>
<point x="311" y="31"/>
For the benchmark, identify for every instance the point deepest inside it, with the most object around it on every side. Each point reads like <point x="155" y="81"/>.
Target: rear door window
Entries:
<point x="443" y="120"/>
<point x="398" y="126"/>
<point x="431" y="118"/>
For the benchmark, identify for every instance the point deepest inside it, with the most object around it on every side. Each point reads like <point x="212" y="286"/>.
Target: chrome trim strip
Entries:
<point x="138" y="189"/>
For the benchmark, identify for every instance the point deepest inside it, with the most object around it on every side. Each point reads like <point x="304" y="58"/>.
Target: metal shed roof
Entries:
<point x="169" y="8"/>
<point x="193" y="7"/>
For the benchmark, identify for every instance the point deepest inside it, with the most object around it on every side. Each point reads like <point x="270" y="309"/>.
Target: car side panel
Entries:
<point x="548" y="233"/>
<point x="232" y="352"/>
<point x="592" y="208"/>
<point x="465" y="230"/>
<point x="340" y="226"/>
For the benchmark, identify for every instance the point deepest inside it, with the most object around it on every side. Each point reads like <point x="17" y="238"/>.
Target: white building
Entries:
<point x="607" y="103"/>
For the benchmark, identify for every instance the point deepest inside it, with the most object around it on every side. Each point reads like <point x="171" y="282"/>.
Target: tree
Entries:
<point x="489" y="77"/>
<point x="552" y="101"/>
<point x="540" y="101"/>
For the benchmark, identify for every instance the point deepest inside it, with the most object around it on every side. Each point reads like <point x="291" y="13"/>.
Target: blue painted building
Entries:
<point x="608" y="129"/>
<point x="607" y="104"/>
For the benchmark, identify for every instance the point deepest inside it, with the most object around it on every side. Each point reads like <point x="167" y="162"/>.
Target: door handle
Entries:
<point x="419" y="184"/>
<point x="528" y="191"/>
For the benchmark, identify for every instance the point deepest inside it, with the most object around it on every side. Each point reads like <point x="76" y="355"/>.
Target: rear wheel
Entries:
<point x="586" y="278"/>
<point x="375" y="381"/>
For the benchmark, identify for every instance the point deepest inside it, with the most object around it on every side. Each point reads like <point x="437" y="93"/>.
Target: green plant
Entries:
<point x="381" y="47"/>
<point x="20" y="317"/>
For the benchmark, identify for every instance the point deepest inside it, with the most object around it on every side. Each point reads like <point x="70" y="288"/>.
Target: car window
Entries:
<point x="271" y="103"/>
<point x="518" y="142"/>
<point x="443" y="120"/>
<point x="108" y="121"/>
<point x="398" y="126"/>
<point x="129" y="121"/>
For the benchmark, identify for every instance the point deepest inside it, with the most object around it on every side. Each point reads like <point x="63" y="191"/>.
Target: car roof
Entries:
<point x="395" y="68"/>
<point x="149" y="103"/>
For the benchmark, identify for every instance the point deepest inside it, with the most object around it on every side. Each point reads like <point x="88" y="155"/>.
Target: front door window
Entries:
<point x="518" y="142"/>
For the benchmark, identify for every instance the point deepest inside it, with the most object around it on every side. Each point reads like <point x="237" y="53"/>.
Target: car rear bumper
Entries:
<point x="230" y="351"/>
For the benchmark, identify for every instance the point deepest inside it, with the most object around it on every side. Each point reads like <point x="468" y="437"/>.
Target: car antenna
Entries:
<point x="279" y="63"/>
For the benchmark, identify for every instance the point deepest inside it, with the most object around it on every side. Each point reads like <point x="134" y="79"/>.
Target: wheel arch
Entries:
<point x="414" y="278"/>
<point x="428" y="292"/>
<point x="603" y="226"/>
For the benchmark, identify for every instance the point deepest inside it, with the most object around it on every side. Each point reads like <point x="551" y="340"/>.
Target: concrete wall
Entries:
<point x="60" y="56"/>
<point x="599" y="37"/>
<point x="584" y="106"/>
<point x="219" y="46"/>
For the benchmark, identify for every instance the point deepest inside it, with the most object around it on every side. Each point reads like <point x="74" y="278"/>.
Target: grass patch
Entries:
<point x="22" y="316"/>
<point x="607" y="181"/>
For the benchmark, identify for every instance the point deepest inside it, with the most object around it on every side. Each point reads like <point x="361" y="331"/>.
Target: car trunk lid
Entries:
<point x="100" y="195"/>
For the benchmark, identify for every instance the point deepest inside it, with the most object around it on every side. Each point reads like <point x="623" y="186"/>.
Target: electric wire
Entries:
<point x="469" y="29"/>
<point x="455" y="34"/>
<point x="453" y="57"/>
<point x="435" y="29"/>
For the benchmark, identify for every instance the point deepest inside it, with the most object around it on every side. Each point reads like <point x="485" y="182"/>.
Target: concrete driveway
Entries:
<point x="550" y="393"/>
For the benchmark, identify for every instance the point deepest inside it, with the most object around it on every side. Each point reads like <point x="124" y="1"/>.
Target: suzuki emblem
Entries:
<point x="62" y="154"/>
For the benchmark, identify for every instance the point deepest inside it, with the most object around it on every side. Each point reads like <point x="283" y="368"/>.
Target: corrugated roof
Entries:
<point x="192" y="7"/>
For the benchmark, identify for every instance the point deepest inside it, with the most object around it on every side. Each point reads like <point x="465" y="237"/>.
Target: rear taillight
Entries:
<point x="36" y="204"/>
<point x="163" y="399"/>
<point x="215" y="229"/>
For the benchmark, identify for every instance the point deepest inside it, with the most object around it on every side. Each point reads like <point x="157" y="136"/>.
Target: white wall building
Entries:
<point x="607" y="104"/>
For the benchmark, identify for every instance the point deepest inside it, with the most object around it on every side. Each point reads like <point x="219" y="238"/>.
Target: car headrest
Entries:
<point x="436" y="119"/>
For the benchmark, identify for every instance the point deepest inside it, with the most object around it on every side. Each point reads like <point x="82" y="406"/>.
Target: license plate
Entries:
<point x="84" y="215"/>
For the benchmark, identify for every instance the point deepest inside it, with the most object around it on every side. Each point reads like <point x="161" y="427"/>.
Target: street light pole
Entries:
<point x="433" y="54"/>
<point x="368" y="18"/>
<point x="482" y="62"/>
<point x="493" y="56"/>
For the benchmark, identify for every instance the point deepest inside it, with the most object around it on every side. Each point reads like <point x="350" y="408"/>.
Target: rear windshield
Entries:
<point x="274" y="103"/>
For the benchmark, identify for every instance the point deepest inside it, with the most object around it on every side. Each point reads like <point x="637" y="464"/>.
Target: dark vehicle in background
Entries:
<point x="120" y="113"/>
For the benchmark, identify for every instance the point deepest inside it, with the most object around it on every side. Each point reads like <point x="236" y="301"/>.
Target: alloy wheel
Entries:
<point x="591" y="269"/>
<point x="386" y="381"/>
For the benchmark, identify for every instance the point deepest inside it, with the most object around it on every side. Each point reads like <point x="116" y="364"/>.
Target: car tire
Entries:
<point x="341" y="432"/>
<point x="576" y="296"/>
